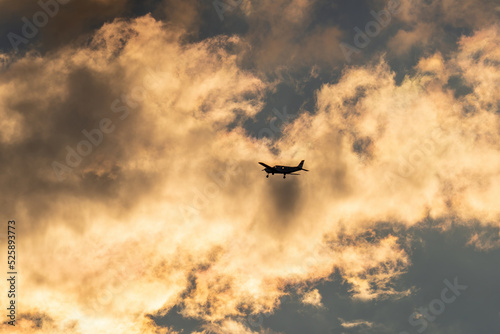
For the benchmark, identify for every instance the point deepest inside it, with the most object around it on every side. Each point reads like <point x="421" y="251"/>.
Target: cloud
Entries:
<point x="185" y="15"/>
<point x="416" y="136"/>
<point x="228" y="326"/>
<point x="484" y="241"/>
<point x="313" y="298"/>
<point x="356" y="323"/>
<point x="404" y="40"/>
<point x="284" y="36"/>
<point x="469" y="13"/>
<point x="171" y="208"/>
<point x="66" y="21"/>
<point x="72" y="91"/>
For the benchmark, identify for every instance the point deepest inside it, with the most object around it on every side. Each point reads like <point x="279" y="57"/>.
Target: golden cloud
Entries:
<point x="171" y="208"/>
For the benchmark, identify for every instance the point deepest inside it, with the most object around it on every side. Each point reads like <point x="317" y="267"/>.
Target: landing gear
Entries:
<point x="267" y="175"/>
<point x="284" y="176"/>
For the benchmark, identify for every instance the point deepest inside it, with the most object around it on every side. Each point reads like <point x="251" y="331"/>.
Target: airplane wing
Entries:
<point x="267" y="166"/>
<point x="306" y="170"/>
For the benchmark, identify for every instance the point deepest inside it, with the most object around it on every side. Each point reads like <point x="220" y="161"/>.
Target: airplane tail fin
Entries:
<point x="300" y="166"/>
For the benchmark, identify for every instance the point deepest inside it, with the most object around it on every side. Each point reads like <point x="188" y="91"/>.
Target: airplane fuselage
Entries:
<point x="282" y="169"/>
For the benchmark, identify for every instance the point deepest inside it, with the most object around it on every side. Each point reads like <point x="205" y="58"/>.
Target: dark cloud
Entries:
<point x="436" y="256"/>
<point x="170" y="223"/>
<point x="66" y="21"/>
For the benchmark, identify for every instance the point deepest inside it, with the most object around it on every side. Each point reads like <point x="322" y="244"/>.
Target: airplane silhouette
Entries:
<point x="283" y="169"/>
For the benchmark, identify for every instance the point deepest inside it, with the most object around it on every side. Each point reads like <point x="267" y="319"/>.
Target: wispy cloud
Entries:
<point x="171" y="209"/>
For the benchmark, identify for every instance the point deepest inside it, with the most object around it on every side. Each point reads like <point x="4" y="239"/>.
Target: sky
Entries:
<point x="130" y="138"/>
